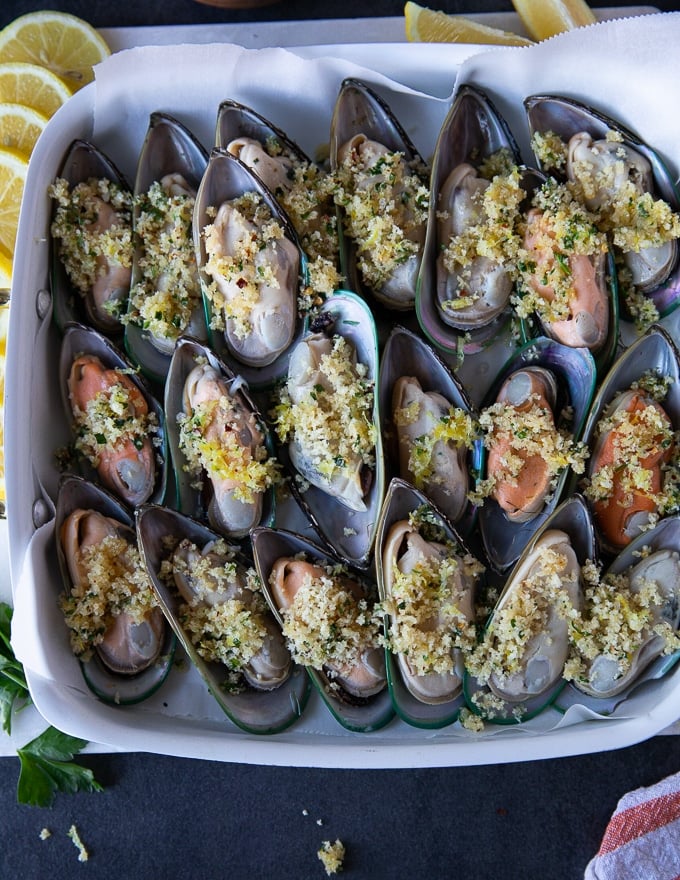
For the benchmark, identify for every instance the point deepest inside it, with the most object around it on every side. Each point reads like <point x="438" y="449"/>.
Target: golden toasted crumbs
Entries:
<point x="471" y="721"/>
<point x="93" y="223"/>
<point x="327" y="624"/>
<point x="210" y="439"/>
<point x="45" y="833"/>
<point x="456" y="427"/>
<point x="531" y="432"/>
<point x="428" y="623"/>
<point x="332" y="856"/>
<point x="526" y="613"/>
<point x="167" y="293"/>
<point x="334" y="423"/>
<point x="385" y="202"/>
<point x="115" y="581"/>
<point x="83" y="854"/>
<point x="550" y="150"/>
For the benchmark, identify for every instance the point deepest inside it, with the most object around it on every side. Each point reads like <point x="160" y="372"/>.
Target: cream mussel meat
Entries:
<point x="91" y="233"/>
<point x="165" y="297"/>
<point x="628" y="188"/>
<point x="116" y="628"/>
<point x="429" y="596"/>
<point x="117" y="426"/>
<point x="429" y="427"/>
<point x="226" y="616"/>
<point x="219" y="443"/>
<point x="382" y="191"/>
<point x="630" y="616"/>
<point x="302" y="188"/>
<point x="250" y="264"/>
<point x="466" y="277"/>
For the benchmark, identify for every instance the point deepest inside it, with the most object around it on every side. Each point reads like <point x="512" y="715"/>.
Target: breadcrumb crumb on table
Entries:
<point x="83" y="854"/>
<point x="45" y="833"/>
<point x="332" y="856"/>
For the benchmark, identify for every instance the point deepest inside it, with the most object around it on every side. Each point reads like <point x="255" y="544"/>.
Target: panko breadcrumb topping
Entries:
<point x="327" y="624"/>
<point x="524" y="615"/>
<point x="332" y="856"/>
<point x="431" y="593"/>
<point x="615" y="622"/>
<point x="83" y="854"/>
<point x="87" y="243"/>
<point x="334" y="424"/>
<point x="250" y="467"/>
<point x="531" y="432"/>
<point x="249" y="266"/>
<point x="167" y="293"/>
<point x="456" y="427"/>
<point x="384" y="202"/>
<point x="115" y="582"/>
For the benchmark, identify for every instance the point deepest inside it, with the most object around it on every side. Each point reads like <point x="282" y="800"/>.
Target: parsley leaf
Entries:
<point x="45" y="769"/>
<point x="45" y="761"/>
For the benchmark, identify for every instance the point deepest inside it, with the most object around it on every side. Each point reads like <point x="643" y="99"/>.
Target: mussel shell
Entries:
<point x="272" y="544"/>
<point x="575" y="374"/>
<point x="236" y="120"/>
<point x="349" y="533"/>
<point x="227" y="178"/>
<point x="78" y="340"/>
<point x="401" y="500"/>
<point x="82" y="161"/>
<point x="531" y="327"/>
<point x="169" y="147"/>
<point x="573" y="517"/>
<point x="359" y="109"/>
<point x="566" y="117"/>
<point x="472" y="131"/>
<point x="655" y="351"/>
<point x="260" y="712"/>
<point x="407" y="354"/>
<point x="75" y="492"/>
<point x="190" y="500"/>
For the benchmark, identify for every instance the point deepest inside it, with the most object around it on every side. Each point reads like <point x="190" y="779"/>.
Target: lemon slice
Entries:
<point x="20" y="127"/>
<point x="63" y="43"/>
<point x="33" y="86"/>
<point x="545" y="18"/>
<point x="5" y="271"/>
<point x="13" y="168"/>
<point x="427" y="26"/>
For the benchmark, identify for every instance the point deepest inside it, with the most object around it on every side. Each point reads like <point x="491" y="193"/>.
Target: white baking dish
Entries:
<point x="182" y="719"/>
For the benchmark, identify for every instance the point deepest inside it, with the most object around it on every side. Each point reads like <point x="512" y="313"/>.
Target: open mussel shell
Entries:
<point x="256" y="711"/>
<point x="169" y="148"/>
<point x="76" y="493"/>
<point x="83" y="161"/>
<point x="650" y="663"/>
<point x="235" y="120"/>
<point x="407" y="355"/>
<point x="80" y="340"/>
<point x="472" y="132"/>
<point x="572" y="517"/>
<point x="654" y="353"/>
<point x="227" y="178"/>
<point x="575" y="375"/>
<point x="191" y="500"/>
<point x="360" y="715"/>
<point x="567" y="117"/>
<point x="359" y="110"/>
<point x="532" y="326"/>
<point x="401" y="502"/>
<point x="350" y="533"/>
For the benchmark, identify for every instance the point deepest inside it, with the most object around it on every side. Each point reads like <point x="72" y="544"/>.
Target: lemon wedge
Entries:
<point x="20" y="127"/>
<point x="545" y="18"/>
<point x="63" y="43"/>
<point x="13" y="168"/>
<point x="428" y="26"/>
<point x="33" y="86"/>
<point x="5" y="271"/>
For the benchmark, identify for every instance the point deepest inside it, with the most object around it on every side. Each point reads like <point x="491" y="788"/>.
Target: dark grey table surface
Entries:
<point x="162" y="817"/>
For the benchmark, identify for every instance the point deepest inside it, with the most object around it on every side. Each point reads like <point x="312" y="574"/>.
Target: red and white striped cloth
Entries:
<point x="642" y="840"/>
